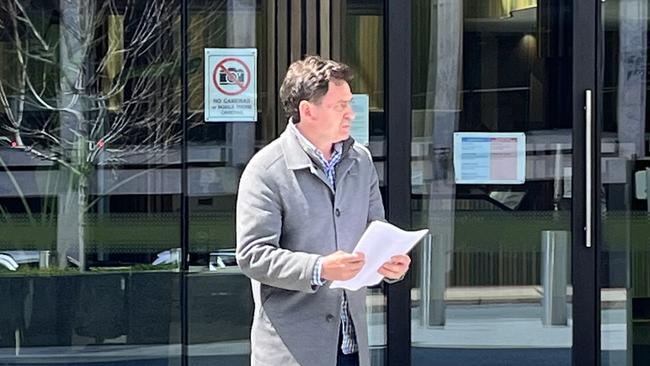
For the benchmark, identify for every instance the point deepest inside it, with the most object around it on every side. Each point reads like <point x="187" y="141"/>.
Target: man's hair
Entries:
<point x="309" y="79"/>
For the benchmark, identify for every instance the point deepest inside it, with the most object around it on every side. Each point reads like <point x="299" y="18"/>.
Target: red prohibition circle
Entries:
<point x="231" y="76"/>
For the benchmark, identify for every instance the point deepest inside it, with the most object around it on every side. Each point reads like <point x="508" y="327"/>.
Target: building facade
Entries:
<point x="514" y="130"/>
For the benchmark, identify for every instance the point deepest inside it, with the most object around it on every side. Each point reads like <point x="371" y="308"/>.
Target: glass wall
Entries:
<point x="491" y="179"/>
<point x="90" y="172"/>
<point x="220" y="305"/>
<point x="625" y="168"/>
<point x="89" y="181"/>
<point x="90" y="176"/>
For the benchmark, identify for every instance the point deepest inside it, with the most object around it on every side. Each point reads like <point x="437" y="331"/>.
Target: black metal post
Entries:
<point x="586" y="294"/>
<point x="397" y="18"/>
<point x="185" y="214"/>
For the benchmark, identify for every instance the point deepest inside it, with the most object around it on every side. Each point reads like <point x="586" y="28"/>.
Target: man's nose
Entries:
<point x="349" y="113"/>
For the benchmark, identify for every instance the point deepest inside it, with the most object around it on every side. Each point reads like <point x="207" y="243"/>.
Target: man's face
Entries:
<point x="331" y="117"/>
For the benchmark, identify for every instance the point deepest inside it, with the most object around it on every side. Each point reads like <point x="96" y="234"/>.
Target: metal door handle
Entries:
<point x="589" y="168"/>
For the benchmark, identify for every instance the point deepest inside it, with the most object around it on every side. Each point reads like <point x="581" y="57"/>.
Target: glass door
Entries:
<point x="492" y="176"/>
<point x="219" y="302"/>
<point x="625" y="178"/>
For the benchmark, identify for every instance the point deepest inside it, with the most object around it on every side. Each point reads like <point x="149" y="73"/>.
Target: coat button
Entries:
<point x="337" y="212"/>
<point x="329" y="318"/>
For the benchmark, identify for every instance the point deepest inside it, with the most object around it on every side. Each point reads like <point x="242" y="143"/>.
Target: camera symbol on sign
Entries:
<point x="232" y="76"/>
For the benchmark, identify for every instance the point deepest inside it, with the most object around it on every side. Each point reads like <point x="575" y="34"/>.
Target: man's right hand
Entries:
<point x="342" y="266"/>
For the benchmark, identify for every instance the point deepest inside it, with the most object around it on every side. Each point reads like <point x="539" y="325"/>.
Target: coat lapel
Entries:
<point x="297" y="158"/>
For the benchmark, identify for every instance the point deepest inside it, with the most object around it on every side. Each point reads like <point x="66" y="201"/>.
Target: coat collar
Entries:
<point x="294" y="154"/>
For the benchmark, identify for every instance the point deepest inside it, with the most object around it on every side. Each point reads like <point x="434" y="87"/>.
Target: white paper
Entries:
<point x="379" y="243"/>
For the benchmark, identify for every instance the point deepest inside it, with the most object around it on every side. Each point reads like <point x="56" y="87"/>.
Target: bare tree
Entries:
<point x="92" y="84"/>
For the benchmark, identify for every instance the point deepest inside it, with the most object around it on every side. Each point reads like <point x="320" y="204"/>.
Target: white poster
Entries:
<point x="489" y="158"/>
<point x="360" y="125"/>
<point x="230" y="80"/>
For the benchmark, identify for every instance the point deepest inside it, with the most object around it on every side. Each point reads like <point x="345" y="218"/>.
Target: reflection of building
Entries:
<point x="101" y="199"/>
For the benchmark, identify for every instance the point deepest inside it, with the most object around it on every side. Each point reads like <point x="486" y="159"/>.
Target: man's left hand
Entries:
<point x="396" y="267"/>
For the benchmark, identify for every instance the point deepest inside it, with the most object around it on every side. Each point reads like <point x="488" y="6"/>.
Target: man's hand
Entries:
<point x="341" y="266"/>
<point x="396" y="267"/>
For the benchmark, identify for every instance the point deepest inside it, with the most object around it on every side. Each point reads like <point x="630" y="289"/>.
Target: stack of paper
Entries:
<point x="379" y="243"/>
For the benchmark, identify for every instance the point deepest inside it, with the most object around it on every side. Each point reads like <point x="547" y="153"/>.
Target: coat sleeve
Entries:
<point x="259" y="227"/>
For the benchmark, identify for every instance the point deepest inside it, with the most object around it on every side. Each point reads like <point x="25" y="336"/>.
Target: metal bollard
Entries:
<point x="555" y="254"/>
<point x="44" y="259"/>
<point x="647" y="188"/>
<point x="433" y="281"/>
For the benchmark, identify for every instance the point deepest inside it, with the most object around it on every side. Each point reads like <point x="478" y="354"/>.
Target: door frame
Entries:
<point x="397" y="102"/>
<point x="587" y="70"/>
<point x="587" y="45"/>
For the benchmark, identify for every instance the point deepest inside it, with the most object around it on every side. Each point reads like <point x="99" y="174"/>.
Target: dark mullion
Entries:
<point x="397" y="86"/>
<point x="185" y="215"/>
<point x="586" y="299"/>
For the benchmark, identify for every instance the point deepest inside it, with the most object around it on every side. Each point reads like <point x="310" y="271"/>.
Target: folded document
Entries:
<point x="379" y="243"/>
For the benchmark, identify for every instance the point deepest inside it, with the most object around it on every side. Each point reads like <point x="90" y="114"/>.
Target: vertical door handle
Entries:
<point x="589" y="168"/>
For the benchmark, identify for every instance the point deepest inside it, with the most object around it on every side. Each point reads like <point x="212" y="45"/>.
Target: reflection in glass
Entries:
<point x="482" y="289"/>
<point x="625" y="289"/>
<point x="88" y="202"/>
<point x="363" y="45"/>
<point x="220" y="305"/>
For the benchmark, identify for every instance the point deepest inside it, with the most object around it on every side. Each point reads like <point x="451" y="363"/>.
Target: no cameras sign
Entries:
<point x="230" y="80"/>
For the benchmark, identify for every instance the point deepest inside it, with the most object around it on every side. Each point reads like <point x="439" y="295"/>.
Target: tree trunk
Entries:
<point x="76" y="28"/>
<point x="82" y="195"/>
<point x="441" y="118"/>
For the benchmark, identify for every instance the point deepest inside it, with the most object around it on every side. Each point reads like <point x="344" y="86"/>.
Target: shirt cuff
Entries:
<point x="316" y="279"/>
<point x="393" y="280"/>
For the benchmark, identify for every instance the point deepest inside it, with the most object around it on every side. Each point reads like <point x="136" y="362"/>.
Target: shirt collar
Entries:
<point x="308" y="146"/>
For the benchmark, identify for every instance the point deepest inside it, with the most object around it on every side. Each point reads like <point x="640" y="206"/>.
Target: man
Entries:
<point x="304" y="201"/>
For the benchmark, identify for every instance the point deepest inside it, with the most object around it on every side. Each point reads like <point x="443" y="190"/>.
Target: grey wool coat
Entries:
<point x="288" y="216"/>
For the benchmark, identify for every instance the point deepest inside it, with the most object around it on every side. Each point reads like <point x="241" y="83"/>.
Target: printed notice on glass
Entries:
<point x="489" y="158"/>
<point x="230" y="82"/>
<point x="361" y="124"/>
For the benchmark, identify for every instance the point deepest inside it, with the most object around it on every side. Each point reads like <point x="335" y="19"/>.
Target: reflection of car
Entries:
<point x="222" y="258"/>
<point x="170" y="256"/>
<point x="12" y="259"/>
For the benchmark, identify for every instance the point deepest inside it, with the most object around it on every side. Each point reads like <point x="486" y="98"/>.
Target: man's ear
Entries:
<point x="305" y="110"/>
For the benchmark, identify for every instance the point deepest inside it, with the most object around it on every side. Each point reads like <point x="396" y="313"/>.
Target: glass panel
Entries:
<point x="218" y="152"/>
<point x="220" y="306"/>
<point x="89" y="181"/>
<point x="492" y="282"/>
<point x="363" y="45"/>
<point x="625" y="275"/>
